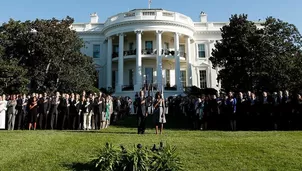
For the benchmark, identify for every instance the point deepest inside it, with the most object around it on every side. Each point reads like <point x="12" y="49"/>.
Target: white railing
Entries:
<point x="146" y="14"/>
<point x="168" y="14"/>
<point x="149" y="13"/>
<point x="215" y="26"/>
<point x="129" y="14"/>
<point x="87" y="27"/>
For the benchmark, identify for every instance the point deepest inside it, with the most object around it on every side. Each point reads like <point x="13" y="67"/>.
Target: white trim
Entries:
<point x="209" y="83"/>
<point x="196" y="51"/>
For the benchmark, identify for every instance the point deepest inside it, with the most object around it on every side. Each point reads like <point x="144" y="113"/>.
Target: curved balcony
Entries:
<point x="150" y="14"/>
<point x="149" y="53"/>
<point x="128" y="88"/>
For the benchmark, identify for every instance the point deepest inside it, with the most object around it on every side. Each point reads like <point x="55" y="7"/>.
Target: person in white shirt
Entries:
<point x="86" y="115"/>
<point x="3" y="108"/>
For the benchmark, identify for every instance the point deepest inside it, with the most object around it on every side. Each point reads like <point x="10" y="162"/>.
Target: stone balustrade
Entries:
<point x="149" y="14"/>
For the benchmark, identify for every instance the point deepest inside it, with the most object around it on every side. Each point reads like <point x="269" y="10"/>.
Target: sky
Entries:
<point x="217" y="10"/>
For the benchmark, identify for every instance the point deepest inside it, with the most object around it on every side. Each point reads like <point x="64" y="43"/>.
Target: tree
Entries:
<point x="280" y="46"/>
<point x="235" y="53"/>
<point x="50" y="51"/>
<point x="262" y="59"/>
<point x="12" y="78"/>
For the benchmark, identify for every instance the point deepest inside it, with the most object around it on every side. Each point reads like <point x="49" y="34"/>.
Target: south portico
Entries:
<point x="152" y="48"/>
<point x="149" y="61"/>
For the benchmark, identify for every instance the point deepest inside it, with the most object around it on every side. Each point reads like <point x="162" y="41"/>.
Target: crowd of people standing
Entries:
<point x="61" y="111"/>
<point x="231" y="111"/>
<point x="241" y="111"/>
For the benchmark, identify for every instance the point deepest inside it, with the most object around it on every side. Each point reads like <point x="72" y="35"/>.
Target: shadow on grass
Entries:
<point x="173" y="122"/>
<point x="79" y="167"/>
<point x="100" y="132"/>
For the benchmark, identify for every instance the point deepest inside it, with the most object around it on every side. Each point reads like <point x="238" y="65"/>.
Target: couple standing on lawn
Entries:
<point x="158" y="112"/>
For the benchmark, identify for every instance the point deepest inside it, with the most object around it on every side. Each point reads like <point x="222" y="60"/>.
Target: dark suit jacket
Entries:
<point x="91" y="105"/>
<point x="101" y="106"/>
<point x="83" y="106"/>
<point x="64" y="106"/>
<point x="19" y="104"/>
<point x="74" y="108"/>
<point x="46" y="104"/>
<point x="141" y="108"/>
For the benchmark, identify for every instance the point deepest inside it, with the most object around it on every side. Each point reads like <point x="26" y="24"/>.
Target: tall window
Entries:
<point x="131" y="46"/>
<point x="149" y="75"/>
<point x="182" y="50"/>
<point x="168" y="78"/>
<point x="201" y="51"/>
<point x="96" y="83"/>
<point x="166" y="48"/>
<point x="131" y="80"/>
<point x="96" y="51"/>
<point x="115" y="51"/>
<point x="166" y="45"/>
<point x="203" y="78"/>
<point x="183" y="78"/>
<point x="115" y="48"/>
<point x="149" y="47"/>
<point x="114" y="78"/>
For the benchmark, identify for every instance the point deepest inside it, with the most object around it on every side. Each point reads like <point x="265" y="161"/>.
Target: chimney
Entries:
<point x="203" y="17"/>
<point x="94" y="18"/>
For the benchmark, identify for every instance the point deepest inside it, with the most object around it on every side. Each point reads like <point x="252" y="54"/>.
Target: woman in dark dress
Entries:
<point x="159" y="112"/>
<point x="33" y="112"/>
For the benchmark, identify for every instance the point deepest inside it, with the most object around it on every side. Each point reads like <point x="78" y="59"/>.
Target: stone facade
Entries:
<point x="151" y="46"/>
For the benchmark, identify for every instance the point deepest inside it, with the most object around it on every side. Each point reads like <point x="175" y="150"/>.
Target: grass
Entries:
<point x="199" y="150"/>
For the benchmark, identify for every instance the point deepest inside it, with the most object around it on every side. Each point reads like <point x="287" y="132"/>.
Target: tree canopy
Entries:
<point x="48" y="53"/>
<point x="265" y="58"/>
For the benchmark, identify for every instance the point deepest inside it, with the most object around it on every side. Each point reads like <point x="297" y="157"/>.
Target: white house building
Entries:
<point x="151" y="46"/>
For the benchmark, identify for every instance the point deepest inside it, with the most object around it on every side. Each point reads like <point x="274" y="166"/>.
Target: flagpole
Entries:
<point x="149" y="3"/>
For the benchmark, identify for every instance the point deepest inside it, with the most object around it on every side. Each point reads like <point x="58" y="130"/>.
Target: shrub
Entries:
<point x="108" y="160"/>
<point x="165" y="159"/>
<point x="137" y="159"/>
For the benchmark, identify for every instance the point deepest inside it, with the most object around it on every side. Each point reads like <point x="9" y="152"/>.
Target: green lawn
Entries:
<point x="199" y="150"/>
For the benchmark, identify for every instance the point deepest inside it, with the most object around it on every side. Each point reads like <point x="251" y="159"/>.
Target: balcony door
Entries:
<point x="149" y="47"/>
<point x="149" y="76"/>
<point x="131" y="77"/>
<point x="182" y="50"/>
<point x="166" y="48"/>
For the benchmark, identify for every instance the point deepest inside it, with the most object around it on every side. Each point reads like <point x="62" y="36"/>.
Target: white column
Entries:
<point x="138" y="75"/>
<point x="120" y="63"/>
<point x="177" y="61"/>
<point x="159" y="59"/>
<point x="189" y="62"/>
<point x="109" y="62"/>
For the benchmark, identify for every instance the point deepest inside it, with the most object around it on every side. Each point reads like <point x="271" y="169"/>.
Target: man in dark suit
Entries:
<point x="65" y="104"/>
<point x="54" y="110"/>
<point x="142" y="112"/>
<point x="287" y="110"/>
<point x="45" y="109"/>
<point x="240" y="111"/>
<point x="20" y="111"/>
<point x="73" y="110"/>
<point x="40" y="111"/>
<point x="265" y="112"/>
